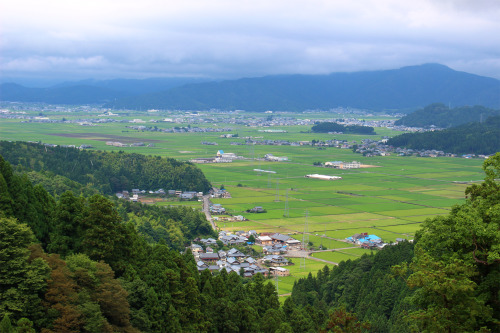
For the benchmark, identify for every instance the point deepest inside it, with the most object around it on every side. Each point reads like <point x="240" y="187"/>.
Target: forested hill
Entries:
<point x="400" y="89"/>
<point x="109" y="172"/>
<point x="326" y="127"/>
<point x="471" y="138"/>
<point x="442" y="116"/>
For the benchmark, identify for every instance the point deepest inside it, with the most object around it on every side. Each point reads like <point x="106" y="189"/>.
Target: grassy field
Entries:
<point x="390" y="199"/>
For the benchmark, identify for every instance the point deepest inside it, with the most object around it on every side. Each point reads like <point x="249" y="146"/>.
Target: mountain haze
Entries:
<point x="90" y="91"/>
<point x="404" y="89"/>
<point x="407" y="88"/>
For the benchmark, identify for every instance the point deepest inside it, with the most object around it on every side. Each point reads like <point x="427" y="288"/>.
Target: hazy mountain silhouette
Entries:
<point x="407" y="89"/>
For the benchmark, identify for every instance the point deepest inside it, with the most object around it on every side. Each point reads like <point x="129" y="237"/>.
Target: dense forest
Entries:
<point x="471" y="138"/>
<point x="442" y="116"/>
<point x="79" y="264"/>
<point x="108" y="172"/>
<point x="326" y="127"/>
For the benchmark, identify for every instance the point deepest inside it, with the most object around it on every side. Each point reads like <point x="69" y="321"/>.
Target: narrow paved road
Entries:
<point x="206" y="210"/>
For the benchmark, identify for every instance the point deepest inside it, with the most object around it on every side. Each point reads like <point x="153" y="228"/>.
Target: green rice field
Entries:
<point x="390" y="197"/>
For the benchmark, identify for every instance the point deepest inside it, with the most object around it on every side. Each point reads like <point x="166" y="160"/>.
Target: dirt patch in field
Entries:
<point x="150" y="200"/>
<point x="369" y="166"/>
<point x="104" y="137"/>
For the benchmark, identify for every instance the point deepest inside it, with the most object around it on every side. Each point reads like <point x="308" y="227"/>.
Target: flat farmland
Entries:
<point x="390" y="199"/>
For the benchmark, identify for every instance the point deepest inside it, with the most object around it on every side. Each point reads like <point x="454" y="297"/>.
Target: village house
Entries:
<point x="279" y="271"/>
<point x="279" y="238"/>
<point x="271" y="157"/>
<point x="220" y="193"/>
<point x="275" y="260"/>
<point x="343" y="165"/>
<point x="234" y="253"/>
<point x="217" y="209"/>
<point x="293" y="244"/>
<point x="274" y="249"/>
<point x="208" y="241"/>
<point x="196" y="249"/>
<point x="257" y="209"/>
<point x="264" y="240"/>
<point x="209" y="257"/>
<point x="366" y="241"/>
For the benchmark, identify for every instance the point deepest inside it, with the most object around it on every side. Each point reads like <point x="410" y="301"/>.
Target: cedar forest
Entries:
<point x="73" y="259"/>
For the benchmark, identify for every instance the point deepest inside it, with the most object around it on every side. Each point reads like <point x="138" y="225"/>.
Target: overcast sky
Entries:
<point x="104" y="39"/>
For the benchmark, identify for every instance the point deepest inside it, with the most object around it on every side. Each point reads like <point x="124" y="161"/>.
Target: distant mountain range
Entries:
<point x="404" y="89"/>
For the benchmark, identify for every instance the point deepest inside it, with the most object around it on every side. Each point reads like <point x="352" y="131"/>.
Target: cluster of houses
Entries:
<point x="271" y="241"/>
<point x="235" y="218"/>
<point x="232" y="260"/>
<point x="220" y="193"/>
<point x="343" y="165"/>
<point x="275" y="246"/>
<point x="186" y="195"/>
<point x="272" y="158"/>
<point x="217" y="209"/>
<point x="220" y="157"/>
<point x="367" y="241"/>
<point x="135" y="144"/>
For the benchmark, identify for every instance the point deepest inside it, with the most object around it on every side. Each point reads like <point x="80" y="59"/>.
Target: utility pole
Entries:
<point x="305" y="241"/>
<point x="277" y="199"/>
<point x="287" y="209"/>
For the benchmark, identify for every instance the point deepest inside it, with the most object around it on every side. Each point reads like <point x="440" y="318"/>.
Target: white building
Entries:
<point x="322" y="177"/>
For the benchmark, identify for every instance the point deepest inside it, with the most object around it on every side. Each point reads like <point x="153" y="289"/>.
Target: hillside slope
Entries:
<point x="440" y="115"/>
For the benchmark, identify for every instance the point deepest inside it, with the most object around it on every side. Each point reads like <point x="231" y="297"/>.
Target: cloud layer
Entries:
<point x="235" y="38"/>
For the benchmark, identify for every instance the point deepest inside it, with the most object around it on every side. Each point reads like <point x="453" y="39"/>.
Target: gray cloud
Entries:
<point x="229" y="39"/>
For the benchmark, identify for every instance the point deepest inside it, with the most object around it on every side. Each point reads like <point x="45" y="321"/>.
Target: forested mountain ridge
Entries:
<point x="442" y="116"/>
<point x="82" y="94"/>
<point x="109" y="172"/>
<point x="471" y="138"/>
<point x="403" y="89"/>
<point x="398" y="89"/>
<point x="90" y="91"/>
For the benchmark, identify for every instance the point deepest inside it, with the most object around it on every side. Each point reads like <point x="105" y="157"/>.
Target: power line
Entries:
<point x="287" y="209"/>
<point x="305" y="242"/>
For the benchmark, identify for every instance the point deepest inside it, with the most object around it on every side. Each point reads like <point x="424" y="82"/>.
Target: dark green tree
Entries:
<point x="22" y="281"/>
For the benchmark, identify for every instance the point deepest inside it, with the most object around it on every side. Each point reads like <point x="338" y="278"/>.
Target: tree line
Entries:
<point x="326" y="127"/>
<point x="108" y="172"/>
<point x="443" y="116"/>
<point x="471" y="138"/>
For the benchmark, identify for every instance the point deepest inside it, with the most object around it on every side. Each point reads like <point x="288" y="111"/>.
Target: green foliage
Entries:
<point x="30" y="205"/>
<point x="173" y="225"/>
<point x="471" y="138"/>
<point x="22" y="281"/>
<point x="442" y="116"/>
<point x="6" y="325"/>
<point x="107" y="172"/>
<point x="343" y="321"/>
<point x="457" y="262"/>
<point x="364" y="286"/>
<point x="326" y="127"/>
<point x="57" y="184"/>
